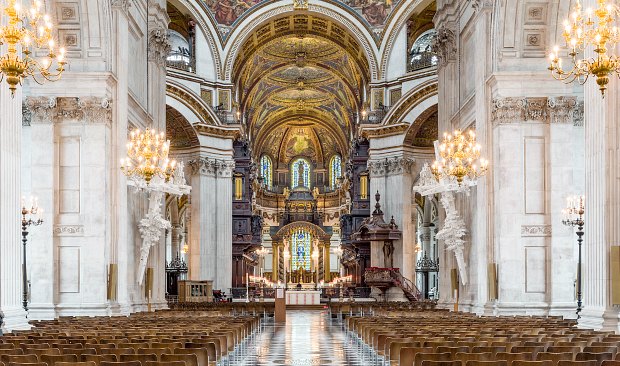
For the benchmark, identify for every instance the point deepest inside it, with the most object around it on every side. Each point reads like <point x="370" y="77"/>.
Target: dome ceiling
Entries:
<point x="300" y="89"/>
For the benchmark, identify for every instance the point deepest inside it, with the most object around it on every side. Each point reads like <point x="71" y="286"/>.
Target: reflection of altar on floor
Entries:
<point x="303" y="297"/>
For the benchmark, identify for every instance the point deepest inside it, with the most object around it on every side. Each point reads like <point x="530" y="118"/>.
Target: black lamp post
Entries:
<point x="27" y="220"/>
<point x="574" y="216"/>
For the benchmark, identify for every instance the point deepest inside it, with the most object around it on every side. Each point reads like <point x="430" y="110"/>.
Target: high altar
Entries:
<point x="301" y="243"/>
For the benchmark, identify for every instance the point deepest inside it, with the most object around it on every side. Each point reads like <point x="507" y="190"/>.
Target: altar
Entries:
<point x="303" y="297"/>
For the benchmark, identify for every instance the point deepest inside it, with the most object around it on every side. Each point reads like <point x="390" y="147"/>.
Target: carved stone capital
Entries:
<point x="123" y="5"/>
<point x="95" y="109"/>
<point x="478" y="5"/>
<point x="159" y="46"/>
<point x="444" y="45"/>
<point x="536" y="230"/>
<point x="225" y="168"/>
<point x="578" y="114"/>
<point x="38" y="110"/>
<point x="211" y="167"/>
<point x="390" y="166"/>
<point x="564" y="109"/>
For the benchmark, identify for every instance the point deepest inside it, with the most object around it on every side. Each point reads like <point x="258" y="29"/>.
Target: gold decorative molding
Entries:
<point x="409" y="101"/>
<point x="218" y="131"/>
<point x="384" y="131"/>
<point x="193" y="102"/>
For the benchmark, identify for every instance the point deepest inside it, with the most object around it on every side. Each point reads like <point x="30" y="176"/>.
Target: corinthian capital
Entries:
<point x="444" y="45"/>
<point x="390" y="166"/>
<point x="159" y="46"/>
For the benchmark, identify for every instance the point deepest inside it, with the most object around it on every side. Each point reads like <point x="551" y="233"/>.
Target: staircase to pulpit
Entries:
<point x="385" y="279"/>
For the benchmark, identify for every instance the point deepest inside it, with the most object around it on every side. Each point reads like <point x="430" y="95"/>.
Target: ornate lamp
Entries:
<point x="592" y="27"/>
<point x="459" y="158"/>
<point x="31" y="216"/>
<point x="27" y="30"/>
<point x="573" y="215"/>
<point x="148" y="156"/>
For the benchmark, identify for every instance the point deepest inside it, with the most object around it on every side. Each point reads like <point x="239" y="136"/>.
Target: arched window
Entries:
<point x="335" y="170"/>
<point x="266" y="171"/>
<point x="300" y="173"/>
<point x="300" y="250"/>
<point x="421" y="55"/>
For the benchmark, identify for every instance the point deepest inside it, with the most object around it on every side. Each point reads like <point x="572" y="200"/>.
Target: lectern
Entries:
<point x="280" y="310"/>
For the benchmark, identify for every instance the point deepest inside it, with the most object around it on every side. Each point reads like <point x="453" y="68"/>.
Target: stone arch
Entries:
<point x="179" y="130"/>
<point x="398" y="20"/>
<point x="206" y="23"/>
<point x="426" y="124"/>
<point x="202" y="112"/>
<point x="271" y="11"/>
<point x="423" y="94"/>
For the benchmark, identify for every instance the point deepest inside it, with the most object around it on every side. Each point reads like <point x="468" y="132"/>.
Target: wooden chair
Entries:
<point x="126" y="363"/>
<point x="156" y="351"/>
<point x="556" y="357"/>
<point x="421" y="357"/>
<point x="441" y="363"/>
<point x="611" y="363"/>
<point x="52" y="359"/>
<point x="598" y="357"/>
<point x="464" y="357"/>
<point x="20" y="358"/>
<point x="531" y="363"/>
<point x="98" y="359"/>
<point x="407" y="354"/>
<point x="190" y="360"/>
<point x="142" y="358"/>
<point x="487" y="363"/>
<point x="84" y="363"/>
<point x="204" y="356"/>
<point x="159" y="363"/>
<point x="577" y="363"/>
<point x="27" y="364"/>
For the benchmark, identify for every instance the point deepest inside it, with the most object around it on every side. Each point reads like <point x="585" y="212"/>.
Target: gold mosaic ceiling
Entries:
<point x="295" y="80"/>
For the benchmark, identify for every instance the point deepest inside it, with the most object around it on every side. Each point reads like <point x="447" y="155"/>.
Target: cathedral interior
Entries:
<point x="332" y="165"/>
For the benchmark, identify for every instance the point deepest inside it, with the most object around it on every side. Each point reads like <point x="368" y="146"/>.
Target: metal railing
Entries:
<point x="421" y="61"/>
<point x="181" y="60"/>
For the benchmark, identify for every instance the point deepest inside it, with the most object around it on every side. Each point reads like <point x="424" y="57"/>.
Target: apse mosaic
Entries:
<point x="227" y="12"/>
<point x="300" y="250"/>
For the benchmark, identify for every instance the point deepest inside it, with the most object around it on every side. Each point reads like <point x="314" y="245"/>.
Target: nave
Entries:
<point x="309" y="337"/>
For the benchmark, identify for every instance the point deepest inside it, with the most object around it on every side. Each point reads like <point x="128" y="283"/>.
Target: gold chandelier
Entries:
<point x="148" y="156"/>
<point x="592" y="27"/>
<point x="27" y="30"/>
<point x="459" y="158"/>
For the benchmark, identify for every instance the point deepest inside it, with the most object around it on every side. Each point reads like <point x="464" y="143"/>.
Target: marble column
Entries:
<point x="224" y="224"/>
<point x="602" y="192"/>
<point x="211" y="248"/>
<point x="38" y="180"/>
<point x="392" y="177"/>
<point x="10" y="234"/>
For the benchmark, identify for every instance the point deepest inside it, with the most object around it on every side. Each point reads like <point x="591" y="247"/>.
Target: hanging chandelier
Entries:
<point x="459" y="158"/>
<point x="27" y="31"/>
<point x="592" y="27"/>
<point x="147" y="156"/>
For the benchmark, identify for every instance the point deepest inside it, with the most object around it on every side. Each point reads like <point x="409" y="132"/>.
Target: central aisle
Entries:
<point x="307" y="338"/>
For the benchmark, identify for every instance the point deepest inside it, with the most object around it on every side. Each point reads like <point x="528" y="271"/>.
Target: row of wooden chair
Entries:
<point x="195" y="338"/>
<point x="418" y="337"/>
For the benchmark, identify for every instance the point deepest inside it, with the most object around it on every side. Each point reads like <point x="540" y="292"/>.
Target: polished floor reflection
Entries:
<point x="307" y="338"/>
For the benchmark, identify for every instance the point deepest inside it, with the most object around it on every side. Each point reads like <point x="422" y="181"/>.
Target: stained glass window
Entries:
<point x="335" y="171"/>
<point x="300" y="250"/>
<point x="300" y="166"/>
<point x="266" y="170"/>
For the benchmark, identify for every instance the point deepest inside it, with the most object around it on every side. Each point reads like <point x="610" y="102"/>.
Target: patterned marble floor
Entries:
<point x="307" y="338"/>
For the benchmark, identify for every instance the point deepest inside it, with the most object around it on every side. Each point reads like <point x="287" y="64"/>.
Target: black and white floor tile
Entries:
<point x="308" y="338"/>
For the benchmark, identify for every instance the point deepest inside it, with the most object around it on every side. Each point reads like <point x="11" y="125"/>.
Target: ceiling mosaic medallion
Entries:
<point x="302" y="49"/>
